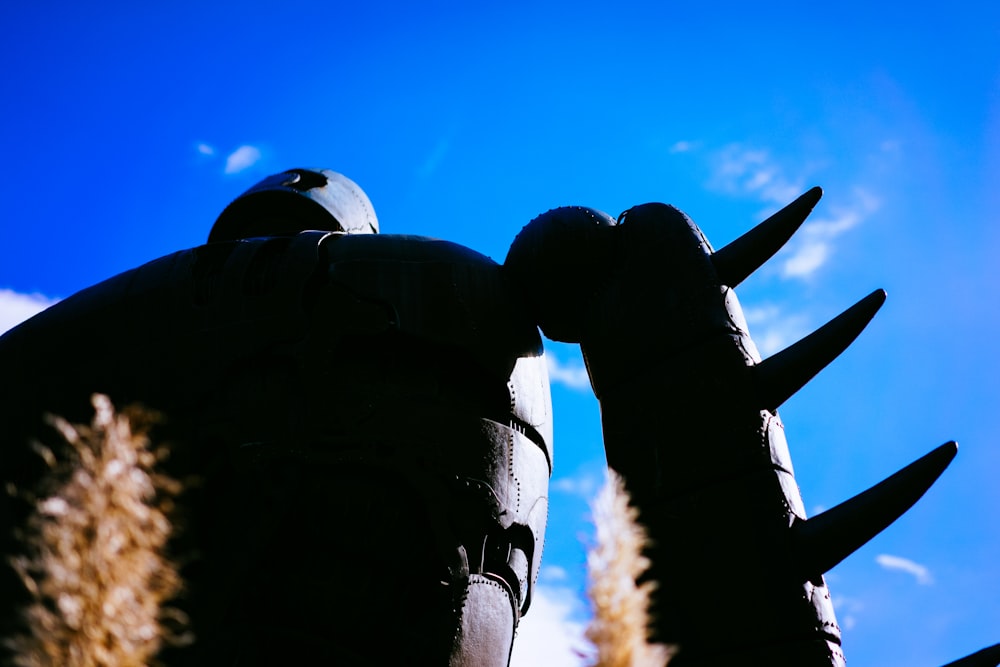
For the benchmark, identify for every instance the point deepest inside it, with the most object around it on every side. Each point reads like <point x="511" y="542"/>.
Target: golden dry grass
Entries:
<point x="99" y="577"/>
<point x="95" y="563"/>
<point x="619" y="630"/>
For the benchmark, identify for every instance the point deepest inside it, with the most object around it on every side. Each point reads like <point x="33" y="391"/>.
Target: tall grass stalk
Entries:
<point x="619" y="630"/>
<point x="95" y="563"/>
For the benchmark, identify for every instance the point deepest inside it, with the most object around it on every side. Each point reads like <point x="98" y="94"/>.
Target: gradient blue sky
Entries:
<point x="125" y="130"/>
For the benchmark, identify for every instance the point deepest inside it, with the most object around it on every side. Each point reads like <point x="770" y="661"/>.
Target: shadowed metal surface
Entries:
<point x="988" y="657"/>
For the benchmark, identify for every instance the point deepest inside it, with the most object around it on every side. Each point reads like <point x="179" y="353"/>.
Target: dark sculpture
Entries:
<point x="367" y="419"/>
<point x="739" y="567"/>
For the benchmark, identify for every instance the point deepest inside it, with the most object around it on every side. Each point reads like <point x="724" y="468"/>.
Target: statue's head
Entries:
<point x="295" y="200"/>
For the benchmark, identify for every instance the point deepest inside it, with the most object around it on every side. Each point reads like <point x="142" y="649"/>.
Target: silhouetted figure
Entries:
<point x="364" y="423"/>
<point x="366" y="418"/>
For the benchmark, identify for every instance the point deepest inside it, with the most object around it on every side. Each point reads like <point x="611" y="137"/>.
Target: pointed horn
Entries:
<point x="823" y="541"/>
<point x="747" y="253"/>
<point x="988" y="657"/>
<point x="781" y="375"/>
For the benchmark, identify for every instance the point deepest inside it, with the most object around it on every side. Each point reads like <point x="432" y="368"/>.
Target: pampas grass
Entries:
<point x="98" y="575"/>
<point x="95" y="566"/>
<point x="619" y="630"/>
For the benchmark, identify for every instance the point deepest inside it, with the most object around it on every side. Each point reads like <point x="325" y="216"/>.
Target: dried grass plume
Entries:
<point x="619" y="630"/>
<point x="95" y="563"/>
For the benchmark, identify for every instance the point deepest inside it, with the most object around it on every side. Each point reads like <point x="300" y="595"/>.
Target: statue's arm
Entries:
<point x="689" y="412"/>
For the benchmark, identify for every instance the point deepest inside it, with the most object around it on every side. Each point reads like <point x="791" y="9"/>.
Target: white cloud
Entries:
<point x="683" y="146"/>
<point x="205" y="149"/>
<point x="773" y="329"/>
<point x="744" y="171"/>
<point x="551" y="633"/>
<point x="16" y="307"/>
<point x="242" y="158"/>
<point x="584" y="485"/>
<point x="813" y="244"/>
<point x="900" y="564"/>
<point x="573" y="375"/>
<point x="752" y="172"/>
<point x="553" y="573"/>
<point x="805" y="259"/>
<point x="848" y="611"/>
<point x="844" y="220"/>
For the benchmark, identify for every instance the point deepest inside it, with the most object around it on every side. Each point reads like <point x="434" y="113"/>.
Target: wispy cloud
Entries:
<point x="806" y="259"/>
<point x="205" y="149"/>
<point x="584" y="485"/>
<point x="553" y="573"/>
<point x="242" y="158"/>
<point x="572" y="374"/>
<point x="848" y="611"/>
<point x="16" y="307"/>
<point x="773" y="329"/>
<point x="900" y="564"/>
<point x="684" y="146"/>
<point x="551" y="633"/>
<point x="813" y="244"/>
<point x="743" y="171"/>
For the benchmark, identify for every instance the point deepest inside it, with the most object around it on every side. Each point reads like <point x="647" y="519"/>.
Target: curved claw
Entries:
<point x="747" y="253"/>
<point x="783" y="374"/>
<point x="988" y="657"/>
<point x="828" y="538"/>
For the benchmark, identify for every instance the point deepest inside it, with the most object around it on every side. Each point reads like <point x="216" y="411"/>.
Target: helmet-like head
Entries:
<point x="294" y="201"/>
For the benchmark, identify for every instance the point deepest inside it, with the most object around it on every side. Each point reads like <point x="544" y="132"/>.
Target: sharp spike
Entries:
<point x="747" y="253"/>
<point x="828" y="538"/>
<point x="781" y="375"/>
<point x="988" y="657"/>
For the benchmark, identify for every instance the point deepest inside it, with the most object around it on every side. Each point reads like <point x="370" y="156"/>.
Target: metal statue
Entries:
<point x="366" y="421"/>
<point x="366" y="417"/>
<point x="739" y="567"/>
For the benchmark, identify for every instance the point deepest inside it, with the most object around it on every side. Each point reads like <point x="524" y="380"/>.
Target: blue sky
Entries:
<point x="125" y="130"/>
